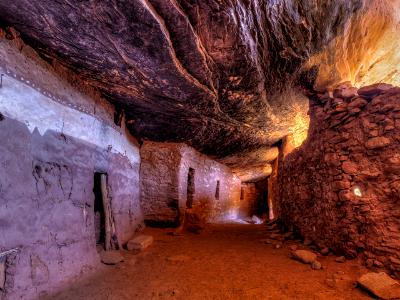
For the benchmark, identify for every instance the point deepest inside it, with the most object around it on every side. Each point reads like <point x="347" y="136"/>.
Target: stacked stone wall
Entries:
<point x="341" y="188"/>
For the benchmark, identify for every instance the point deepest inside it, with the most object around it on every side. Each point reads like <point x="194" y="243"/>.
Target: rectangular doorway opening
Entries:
<point x="104" y="225"/>
<point x="241" y="193"/>
<point x="190" y="188"/>
<point x="99" y="215"/>
<point x="217" y="191"/>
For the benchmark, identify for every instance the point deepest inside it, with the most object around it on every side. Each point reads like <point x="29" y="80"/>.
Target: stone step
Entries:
<point x="140" y="242"/>
<point x="381" y="285"/>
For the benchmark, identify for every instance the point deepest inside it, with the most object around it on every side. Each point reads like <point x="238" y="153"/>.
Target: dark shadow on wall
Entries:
<point x="261" y="207"/>
<point x="190" y="188"/>
<point x="99" y="216"/>
<point x="254" y="199"/>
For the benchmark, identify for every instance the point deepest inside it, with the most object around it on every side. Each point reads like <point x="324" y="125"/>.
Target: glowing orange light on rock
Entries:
<point x="357" y="191"/>
<point x="300" y="132"/>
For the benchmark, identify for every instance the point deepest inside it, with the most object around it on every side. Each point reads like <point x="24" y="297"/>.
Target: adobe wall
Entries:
<point x="53" y="138"/>
<point x="341" y="188"/>
<point x="159" y="182"/>
<point x="207" y="173"/>
<point x="255" y="199"/>
<point x="164" y="176"/>
<point x="248" y="201"/>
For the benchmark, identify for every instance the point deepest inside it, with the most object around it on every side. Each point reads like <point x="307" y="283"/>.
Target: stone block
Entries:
<point x="340" y="259"/>
<point x="350" y="168"/>
<point x="377" y="142"/>
<point x="381" y="285"/>
<point x="345" y="93"/>
<point x="316" y="265"/>
<point x="357" y="103"/>
<point x="392" y="170"/>
<point x="346" y="195"/>
<point x="394" y="260"/>
<point x="371" y="91"/>
<point x="140" y="242"/>
<point x="304" y="256"/>
<point x="340" y="185"/>
<point x="111" y="257"/>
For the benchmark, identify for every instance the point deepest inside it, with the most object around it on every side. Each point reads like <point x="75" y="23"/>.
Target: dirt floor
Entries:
<point x="224" y="262"/>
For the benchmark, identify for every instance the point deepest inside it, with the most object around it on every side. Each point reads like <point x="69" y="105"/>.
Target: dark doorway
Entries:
<point x="241" y="194"/>
<point x="99" y="215"/>
<point x="105" y="230"/>
<point x="190" y="188"/>
<point x="261" y="205"/>
<point x="217" y="191"/>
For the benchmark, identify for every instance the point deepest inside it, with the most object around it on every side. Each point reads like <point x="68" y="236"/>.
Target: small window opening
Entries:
<point x="99" y="215"/>
<point x="217" y="191"/>
<point x="190" y="188"/>
<point x="241" y="194"/>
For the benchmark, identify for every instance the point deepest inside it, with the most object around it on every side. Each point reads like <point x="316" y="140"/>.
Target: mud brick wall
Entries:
<point x="207" y="173"/>
<point x="54" y="136"/>
<point x="159" y="179"/>
<point x="341" y="188"/>
<point x="164" y="180"/>
<point x="248" y="202"/>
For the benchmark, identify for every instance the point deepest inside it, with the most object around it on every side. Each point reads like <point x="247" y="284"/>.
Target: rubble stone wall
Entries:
<point x="341" y="188"/>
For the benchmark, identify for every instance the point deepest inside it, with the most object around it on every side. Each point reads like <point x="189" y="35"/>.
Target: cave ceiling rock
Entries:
<point x="221" y="75"/>
<point x="366" y="52"/>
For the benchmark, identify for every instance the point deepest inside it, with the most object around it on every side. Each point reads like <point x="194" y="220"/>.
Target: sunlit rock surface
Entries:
<point x="367" y="51"/>
<point x="224" y="76"/>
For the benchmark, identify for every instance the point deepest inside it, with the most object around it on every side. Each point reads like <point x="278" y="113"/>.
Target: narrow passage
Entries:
<point x="226" y="261"/>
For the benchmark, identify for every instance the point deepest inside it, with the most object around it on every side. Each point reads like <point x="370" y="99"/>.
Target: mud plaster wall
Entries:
<point x="341" y="188"/>
<point x="255" y="199"/>
<point x="207" y="173"/>
<point x="164" y="175"/>
<point x="53" y="139"/>
<point x="159" y="181"/>
<point x="248" y="201"/>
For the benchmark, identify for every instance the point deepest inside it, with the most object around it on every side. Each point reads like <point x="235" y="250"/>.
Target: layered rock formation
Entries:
<point x="222" y="76"/>
<point x="341" y="187"/>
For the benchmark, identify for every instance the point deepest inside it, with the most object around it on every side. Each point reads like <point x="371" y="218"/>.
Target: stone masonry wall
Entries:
<point x="207" y="173"/>
<point x="164" y="176"/>
<point x="255" y="199"/>
<point x="53" y="138"/>
<point x="341" y="188"/>
<point x="159" y="182"/>
<point x="248" y="202"/>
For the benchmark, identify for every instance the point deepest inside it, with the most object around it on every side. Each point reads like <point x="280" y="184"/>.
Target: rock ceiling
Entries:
<point x="225" y="76"/>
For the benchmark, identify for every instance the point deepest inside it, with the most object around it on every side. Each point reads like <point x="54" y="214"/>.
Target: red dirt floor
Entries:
<point x="224" y="262"/>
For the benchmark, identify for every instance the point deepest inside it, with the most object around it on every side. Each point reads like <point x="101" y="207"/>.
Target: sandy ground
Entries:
<point x="223" y="262"/>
